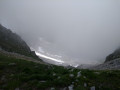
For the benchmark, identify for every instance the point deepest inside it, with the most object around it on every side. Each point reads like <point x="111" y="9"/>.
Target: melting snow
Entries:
<point x="50" y="58"/>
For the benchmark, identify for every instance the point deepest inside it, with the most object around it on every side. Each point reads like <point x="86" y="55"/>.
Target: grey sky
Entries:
<point x="85" y="31"/>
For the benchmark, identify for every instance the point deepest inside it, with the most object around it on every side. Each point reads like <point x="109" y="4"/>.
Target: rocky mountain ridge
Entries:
<point x="110" y="65"/>
<point x="112" y="62"/>
<point x="12" y="42"/>
<point x="113" y="56"/>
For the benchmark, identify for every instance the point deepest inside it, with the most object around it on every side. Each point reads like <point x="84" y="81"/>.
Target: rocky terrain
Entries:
<point x="109" y="65"/>
<point x="113" y="56"/>
<point x="112" y="62"/>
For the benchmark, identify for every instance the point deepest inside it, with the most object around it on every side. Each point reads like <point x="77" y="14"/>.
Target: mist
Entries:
<point x="74" y="31"/>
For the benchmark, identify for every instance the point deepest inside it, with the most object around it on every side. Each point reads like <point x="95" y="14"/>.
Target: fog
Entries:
<point x="74" y="31"/>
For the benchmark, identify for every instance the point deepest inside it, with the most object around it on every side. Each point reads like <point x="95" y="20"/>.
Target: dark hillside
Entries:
<point x="113" y="56"/>
<point x="11" y="42"/>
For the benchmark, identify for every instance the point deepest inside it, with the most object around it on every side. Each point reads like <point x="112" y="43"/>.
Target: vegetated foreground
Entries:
<point x="18" y="74"/>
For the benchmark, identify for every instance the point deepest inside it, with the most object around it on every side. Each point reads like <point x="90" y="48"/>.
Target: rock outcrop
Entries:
<point x="113" y="56"/>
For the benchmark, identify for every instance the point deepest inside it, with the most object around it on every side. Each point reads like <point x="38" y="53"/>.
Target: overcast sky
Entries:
<point x="77" y="31"/>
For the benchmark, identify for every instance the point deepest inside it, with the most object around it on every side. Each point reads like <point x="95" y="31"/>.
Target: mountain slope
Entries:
<point x="11" y="42"/>
<point x="112" y="62"/>
<point x="109" y="65"/>
<point x="113" y="56"/>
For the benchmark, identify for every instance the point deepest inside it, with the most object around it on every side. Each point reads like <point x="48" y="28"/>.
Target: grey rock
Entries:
<point x="85" y="84"/>
<point x="52" y="88"/>
<point x="17" y="89"/>
<point x="64" y="88"/>
<point x="79" y="74"/>
<point x="54" y="74"/>
<point x="92" y="88"/>
<point x="59" y="77"/>
<point x="71" y="75"/>
<point x="70" y="87"/>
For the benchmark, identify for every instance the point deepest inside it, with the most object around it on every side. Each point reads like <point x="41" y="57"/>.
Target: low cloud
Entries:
<point x="80" y="31"/>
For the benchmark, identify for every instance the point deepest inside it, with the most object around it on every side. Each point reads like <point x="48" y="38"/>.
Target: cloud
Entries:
<point x="40" y="50"/>
<point x="83" y="31"/>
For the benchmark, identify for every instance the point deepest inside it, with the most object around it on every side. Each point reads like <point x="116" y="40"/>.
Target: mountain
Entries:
<point x="20" y="71"/>
<point x="109" y="65"/>
<point x="112" y="62"/>
<point x="113" y="56"/>
<point x="12" y="42"/>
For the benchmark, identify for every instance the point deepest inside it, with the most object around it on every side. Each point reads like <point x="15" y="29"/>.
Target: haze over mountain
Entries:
<point x="72" y="31"/>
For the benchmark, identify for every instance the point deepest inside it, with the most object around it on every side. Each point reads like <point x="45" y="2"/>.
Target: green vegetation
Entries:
<point x="25" y="75"/>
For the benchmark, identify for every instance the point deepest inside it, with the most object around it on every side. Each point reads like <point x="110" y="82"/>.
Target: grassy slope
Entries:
<point x="28" y="76"/>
